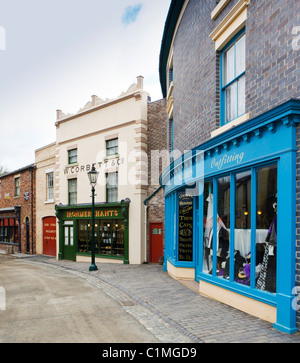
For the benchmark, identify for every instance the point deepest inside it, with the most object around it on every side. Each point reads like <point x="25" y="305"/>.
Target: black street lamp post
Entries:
<point x="93" y="176"/>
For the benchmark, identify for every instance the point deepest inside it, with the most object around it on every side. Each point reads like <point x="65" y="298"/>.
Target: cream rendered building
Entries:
<point x="45" y="204"/>
<point x="112" y="136"/>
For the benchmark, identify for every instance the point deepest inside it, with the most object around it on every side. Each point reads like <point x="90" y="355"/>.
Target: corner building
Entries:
<point x="230" y="73"/>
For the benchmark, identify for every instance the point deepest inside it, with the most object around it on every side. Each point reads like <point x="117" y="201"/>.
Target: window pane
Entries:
<point x="72" y="185"/>
<point x="223" y="227"/>
<point x="231" y="102"/>
<point x="105" y="237"/>
<point x="112" y="187"/>
<point x="208" y="227"/>
<point x="112" y="147"/>
<point x="83" y="236"/>
<point x="66" y="236"/>
<point x="118" y="229"/>
<point x="229" y="65"/>
<point x="241" y="96"/>
<point x="50" y="192"/>
<point x="112" y="195"/>
<point x="242" y="228"/>
<point x="240" y="56"/>
<point x="72" y="154"/>
<point x="266" y="228"/>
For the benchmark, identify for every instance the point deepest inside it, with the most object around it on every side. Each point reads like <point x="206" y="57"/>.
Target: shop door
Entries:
<point x="27" y="226"/>
<point x="49" y="236"/>
<point x="69" y="248"/>
<point x="156" y="242"/>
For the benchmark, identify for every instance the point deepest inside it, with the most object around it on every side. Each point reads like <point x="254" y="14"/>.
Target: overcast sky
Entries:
<point x="57" y="54"/>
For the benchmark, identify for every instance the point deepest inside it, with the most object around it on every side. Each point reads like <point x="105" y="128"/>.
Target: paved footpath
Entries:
<point x="173" y="312"/>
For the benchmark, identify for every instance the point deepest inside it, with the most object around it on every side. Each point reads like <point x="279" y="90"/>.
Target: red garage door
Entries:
<point x="49" y="236"/>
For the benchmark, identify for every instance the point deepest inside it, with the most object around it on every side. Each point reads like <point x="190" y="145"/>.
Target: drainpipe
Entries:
<point x="32" y="210"/>
<point x="146" y="215"/>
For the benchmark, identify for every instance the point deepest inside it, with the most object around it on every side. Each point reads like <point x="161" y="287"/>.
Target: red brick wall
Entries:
<point x="8" y="200"/>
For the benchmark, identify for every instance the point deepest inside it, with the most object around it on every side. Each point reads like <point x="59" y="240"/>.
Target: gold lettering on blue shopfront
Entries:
<point x="227" y="159"/>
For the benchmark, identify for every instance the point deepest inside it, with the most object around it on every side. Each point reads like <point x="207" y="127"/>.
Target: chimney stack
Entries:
<point x="140" y="82"/>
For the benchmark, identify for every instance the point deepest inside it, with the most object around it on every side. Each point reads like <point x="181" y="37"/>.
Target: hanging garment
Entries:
<point x="267" y="276"/>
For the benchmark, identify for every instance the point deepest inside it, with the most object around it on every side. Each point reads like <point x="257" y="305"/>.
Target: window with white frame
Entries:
<point x="72" y="156"/>
<point x="17" y="187"/>
<point x="112" y="187"/>
<point x="50" y="189"/>
<point x="233" y="64"/>
<point x="72" y="191"/>
<point x="112" y="147"/>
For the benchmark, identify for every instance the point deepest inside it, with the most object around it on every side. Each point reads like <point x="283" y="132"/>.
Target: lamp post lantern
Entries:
<point x="93" y="176"/>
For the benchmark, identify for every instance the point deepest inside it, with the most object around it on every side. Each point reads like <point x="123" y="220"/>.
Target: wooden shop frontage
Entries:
<point x="111" y="232"/>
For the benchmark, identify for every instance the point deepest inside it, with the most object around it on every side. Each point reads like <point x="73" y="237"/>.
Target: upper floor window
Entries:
<point x="72" y="191"/>
<point x="50" y="189"/>
<point x="111" y="187"/>
<point x="112" y="147"/>
<point x="233" y="64"/>
<point x="72" y="156"/>
<point x="17" y="187"/>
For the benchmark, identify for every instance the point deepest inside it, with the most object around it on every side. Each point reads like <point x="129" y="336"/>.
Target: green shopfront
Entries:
<point x="230" y="216"/>
<point x="111" y="231"/>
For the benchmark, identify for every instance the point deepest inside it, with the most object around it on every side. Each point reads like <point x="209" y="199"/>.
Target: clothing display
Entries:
<point x="267" y="277"/>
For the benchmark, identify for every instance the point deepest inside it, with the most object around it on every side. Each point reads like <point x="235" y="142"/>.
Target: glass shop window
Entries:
<point x="242" y="232"/>
<point x="264" y="235"/>
<point x="185" y="223"/>
<point x="109" y="237"/>
<point x="266" y="228"/>
<point x="208" y="227"/>
<point x="223" y="227"/>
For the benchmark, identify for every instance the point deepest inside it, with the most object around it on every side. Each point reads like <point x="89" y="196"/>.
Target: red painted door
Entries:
<point x="156" y="241"/>
<point x="49" y="236"/>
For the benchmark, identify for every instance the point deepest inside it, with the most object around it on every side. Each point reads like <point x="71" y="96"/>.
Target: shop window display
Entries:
<point x="223" y="227"/>
<point x="266" y="221"/>
<point x="208" y="226"/>
<point x="109" y="237"/>
<point x="242" y="232"/>
<point x="264" y="235"/>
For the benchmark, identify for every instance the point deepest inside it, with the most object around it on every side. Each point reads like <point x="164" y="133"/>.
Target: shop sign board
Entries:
<point x="99" y="213"/>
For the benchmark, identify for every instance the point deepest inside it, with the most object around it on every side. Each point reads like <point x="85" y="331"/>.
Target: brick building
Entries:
<point x="154" y="204"/>
<point x="230" y="73"/>
<point x="17" y="210"/>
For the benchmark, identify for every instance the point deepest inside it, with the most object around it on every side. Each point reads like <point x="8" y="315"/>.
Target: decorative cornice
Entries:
<point x="97" y="103"/>
<point x="287" y="114"/>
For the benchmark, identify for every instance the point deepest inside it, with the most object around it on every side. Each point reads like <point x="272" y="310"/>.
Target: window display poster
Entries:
<point x="185" y="231"/>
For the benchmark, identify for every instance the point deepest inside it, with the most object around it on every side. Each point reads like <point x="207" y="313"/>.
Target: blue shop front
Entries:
<point x="231" y="216"/>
